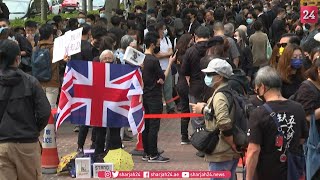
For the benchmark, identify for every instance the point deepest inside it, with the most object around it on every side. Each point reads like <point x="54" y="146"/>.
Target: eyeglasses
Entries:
<point x="211" y="74"/>
<point x="282" y="45"/>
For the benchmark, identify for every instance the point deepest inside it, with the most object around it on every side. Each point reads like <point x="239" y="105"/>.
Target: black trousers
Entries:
<point x="83" y="132"/>
<point x="183" y="91"/>
<point x="113" y="142"/>
<point x="152" y="126"/>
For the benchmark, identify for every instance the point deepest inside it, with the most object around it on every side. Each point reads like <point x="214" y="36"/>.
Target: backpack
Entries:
<point x="41" y="64"/>
<point x="243" y="107"/>
<point x="239" y="82"/>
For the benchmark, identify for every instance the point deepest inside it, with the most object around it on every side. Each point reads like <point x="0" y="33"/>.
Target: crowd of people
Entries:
<point x="194" y="49"/>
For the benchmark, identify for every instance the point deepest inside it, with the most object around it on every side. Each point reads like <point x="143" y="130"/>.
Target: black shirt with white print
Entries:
<point x="263" y="131"/>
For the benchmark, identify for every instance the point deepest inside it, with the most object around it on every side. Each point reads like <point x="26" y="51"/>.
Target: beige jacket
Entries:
<point x="221" y="120"/>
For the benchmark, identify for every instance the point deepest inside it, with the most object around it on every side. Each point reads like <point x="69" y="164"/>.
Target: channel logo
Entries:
<point x="185" y="174"/>
<point x="146" y="174"/>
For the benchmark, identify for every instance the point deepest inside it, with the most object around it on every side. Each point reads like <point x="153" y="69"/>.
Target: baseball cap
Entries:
<point x="219" y="66"/>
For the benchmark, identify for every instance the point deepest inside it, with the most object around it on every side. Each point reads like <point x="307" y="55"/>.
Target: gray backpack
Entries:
<point x="41" y="64"/>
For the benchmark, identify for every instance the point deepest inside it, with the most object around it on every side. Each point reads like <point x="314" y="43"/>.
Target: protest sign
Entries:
<point x="68" y="44"/>
<point x="133" y="56"/>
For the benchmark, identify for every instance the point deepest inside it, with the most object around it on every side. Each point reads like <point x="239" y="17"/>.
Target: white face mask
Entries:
<point x="237" y="38"/>
<point x="265" y="9"/>
<point x="165" y="32"/>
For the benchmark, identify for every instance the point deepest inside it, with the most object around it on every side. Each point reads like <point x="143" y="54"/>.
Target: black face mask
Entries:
<point x="299" y="32"/>
<point x="156" y="50"/>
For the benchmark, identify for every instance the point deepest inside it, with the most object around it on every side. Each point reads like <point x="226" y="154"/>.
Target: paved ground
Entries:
<point x="182" y="156"/>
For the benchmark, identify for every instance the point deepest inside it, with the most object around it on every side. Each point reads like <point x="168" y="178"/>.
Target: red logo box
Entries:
<point x="309" y="14"/>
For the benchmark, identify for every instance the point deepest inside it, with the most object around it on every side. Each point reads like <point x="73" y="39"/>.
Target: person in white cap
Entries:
<point x="225" y="156"/>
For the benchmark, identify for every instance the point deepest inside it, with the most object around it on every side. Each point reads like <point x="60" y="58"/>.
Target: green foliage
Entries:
<point x="20" y="22"/>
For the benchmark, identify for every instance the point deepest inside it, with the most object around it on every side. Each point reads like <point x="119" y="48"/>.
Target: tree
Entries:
<point x="90" y="6"/>
<point x="44" y="9"/>
<point x="109" y="5"/>
<point x="84" y="6"/>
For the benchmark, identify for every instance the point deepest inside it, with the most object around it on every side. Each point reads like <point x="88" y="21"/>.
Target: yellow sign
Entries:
<point x="310" y="3"/>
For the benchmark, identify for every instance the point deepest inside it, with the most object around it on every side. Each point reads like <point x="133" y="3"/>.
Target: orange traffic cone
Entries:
<point x="138" y="151"/>
<point x="49" y="158"/>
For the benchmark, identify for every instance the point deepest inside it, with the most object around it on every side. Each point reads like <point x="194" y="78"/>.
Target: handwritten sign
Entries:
<point x="309" y="14"/>
<point x="74" y="45"/>
<point x="68" y="44"/>
<point x="133" y="56"/>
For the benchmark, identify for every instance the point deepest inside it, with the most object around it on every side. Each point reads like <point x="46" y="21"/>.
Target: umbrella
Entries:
<point x="122" y="161"/>
<point x="65" y="160"/>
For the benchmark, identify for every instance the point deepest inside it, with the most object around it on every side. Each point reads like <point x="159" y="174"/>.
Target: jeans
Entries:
<point x="152" y="126"/>
<point x="52" y="95"/>
<point x="167" y="92"/>
<point x="183" y="91"/>
<point x="224" y="166"/>
<point x="195" y="121"/>
<point x="83" y="132"/>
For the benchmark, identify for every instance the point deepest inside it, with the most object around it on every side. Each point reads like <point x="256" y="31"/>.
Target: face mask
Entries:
<point x="102" y="15"/>
<point x="265" y="9"/>
<point x="156" y="50"/>
<point x="11" y="38"/>
<point x="299" y="32"/>
<point x="237" y="38"/>
<point x="261" y="97"/>
<point x="289" y="12"/>
<point x="89" y="23"/>
<point x="165" y="32"/>
<point x="208" y="81"/>
<point x="296" y="63"/>
<point x="281" y="49"/>
<point x="81" y="21"/>
<point x="249" y="21"/>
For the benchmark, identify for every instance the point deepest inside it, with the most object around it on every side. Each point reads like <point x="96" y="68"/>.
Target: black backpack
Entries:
<point x="41" y="64"/>
<point x="243" y="107"/>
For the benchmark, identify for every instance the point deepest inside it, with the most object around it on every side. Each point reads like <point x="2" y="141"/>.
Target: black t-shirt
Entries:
<point x="288" y="89"/>
<point x="308" y="96"/>
<point x="86" y="52"/>
<point x="263" y="131"/>
<point x="151" y="73"/>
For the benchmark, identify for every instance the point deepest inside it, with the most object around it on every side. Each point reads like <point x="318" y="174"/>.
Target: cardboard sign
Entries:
<point x="101" y="167"/>
<point x="133" y="56"/>
<point x="59" y="49"/>
<point x="68" y="44"/>
<point x="74" y="39"/>
<point x="309" y="14"/>
<point x="83" y="167"/>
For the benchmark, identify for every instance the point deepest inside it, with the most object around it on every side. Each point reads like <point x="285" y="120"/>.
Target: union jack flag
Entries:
<point x="101" y="95"/>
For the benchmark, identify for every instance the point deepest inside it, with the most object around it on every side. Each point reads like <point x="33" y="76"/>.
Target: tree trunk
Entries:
<point x="84" y="6"/>
<point x="151" y="4"/>
<point x="109" y="5"/>
<point x="44" y="10"/>
<point x="90" y="6"/>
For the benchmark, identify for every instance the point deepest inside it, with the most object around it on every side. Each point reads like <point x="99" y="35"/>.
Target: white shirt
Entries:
<point x="165" y="46"/>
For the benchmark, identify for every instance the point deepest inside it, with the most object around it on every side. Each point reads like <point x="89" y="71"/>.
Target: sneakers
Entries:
<point x="145" y="157"/>
<point x="76" y="129"/>
<point x="80" y="152"/>
<point x="158" y="159"/>
<point x="185" y="141"/>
